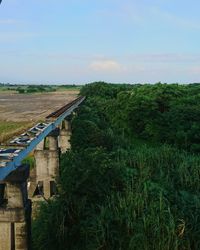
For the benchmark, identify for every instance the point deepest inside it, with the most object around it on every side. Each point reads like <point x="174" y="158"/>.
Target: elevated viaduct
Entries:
<point x="47" y="140"/>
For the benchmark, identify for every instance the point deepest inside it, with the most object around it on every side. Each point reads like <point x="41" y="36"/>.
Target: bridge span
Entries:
<point x="47" y="140"/>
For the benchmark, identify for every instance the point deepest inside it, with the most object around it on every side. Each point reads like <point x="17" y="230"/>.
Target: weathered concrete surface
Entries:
<point x="21" y="236"/>
<point x="13" y="236"/>
<point x="46" y="156"/>
<point x="14" y="195"/>
<point x="64" y="140"/>
<point x="53" y="143"/>
<point x="15" y="218"/>
<point x="64" y="136"/>
<point x="12" y="215"/>
<point x="5" y="235"/>
<point x="47" y="164"/>
<point x="40" y="145"/>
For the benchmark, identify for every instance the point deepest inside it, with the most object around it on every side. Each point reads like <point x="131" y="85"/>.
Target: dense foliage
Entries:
<point x="122" y="185"/>
<point x="165" y="113"/>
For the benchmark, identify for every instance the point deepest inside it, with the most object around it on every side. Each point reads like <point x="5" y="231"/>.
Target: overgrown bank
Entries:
<point x="115" y="193"/>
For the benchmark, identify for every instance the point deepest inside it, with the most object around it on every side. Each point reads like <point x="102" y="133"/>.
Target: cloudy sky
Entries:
<point x="80" y="41"/>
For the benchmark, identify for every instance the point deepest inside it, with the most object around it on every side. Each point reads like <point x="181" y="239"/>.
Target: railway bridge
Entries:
<point x="47" y="140"/>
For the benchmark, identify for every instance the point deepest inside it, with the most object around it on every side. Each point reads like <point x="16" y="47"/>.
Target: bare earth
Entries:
<point x="32" y="107"/>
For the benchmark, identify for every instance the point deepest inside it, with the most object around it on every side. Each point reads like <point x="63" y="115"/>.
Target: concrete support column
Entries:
<point x="15" y="213"/>
<point x="64" y="137"/>
<point x="40" y="145"/>
<point x="47" y="165"/>
<point x="14" y="195"/>
<point x="53" y="142"/>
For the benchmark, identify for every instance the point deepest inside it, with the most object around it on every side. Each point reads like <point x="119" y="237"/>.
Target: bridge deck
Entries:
<point x="20" y="147"/>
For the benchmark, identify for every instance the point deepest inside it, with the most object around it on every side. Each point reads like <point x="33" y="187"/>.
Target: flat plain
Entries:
<point x="20" y="111"/>
<point x="32" y="107"/>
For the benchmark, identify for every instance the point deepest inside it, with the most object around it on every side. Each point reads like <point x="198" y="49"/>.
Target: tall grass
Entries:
<point x="159" y="209"/>
<point x="8" y="129"/>
<point x="155" y="207"/>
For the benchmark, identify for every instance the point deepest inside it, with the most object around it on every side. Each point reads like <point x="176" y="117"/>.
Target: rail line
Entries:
<point x="60" y="111"/>
<point x="21" y="146"/>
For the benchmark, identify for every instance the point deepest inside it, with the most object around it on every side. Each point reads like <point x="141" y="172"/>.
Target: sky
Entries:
<point x="81" y="41"/>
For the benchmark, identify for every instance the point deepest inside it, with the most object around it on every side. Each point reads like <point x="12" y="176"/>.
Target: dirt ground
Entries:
<point x="32" y="107"/>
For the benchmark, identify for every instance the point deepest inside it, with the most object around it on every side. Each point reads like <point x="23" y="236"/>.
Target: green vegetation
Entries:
<point x="69" y="87"/>
<point x="21" y="89"/>
<point x="132" y="178"/>
<point x="8" y="129"/>
<point x="160" y="113"/>
<point x="30" y="160"/>
<point x="35" y="89"/>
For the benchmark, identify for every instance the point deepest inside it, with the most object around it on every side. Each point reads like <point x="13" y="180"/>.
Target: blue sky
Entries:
<point x="80" y="41"/>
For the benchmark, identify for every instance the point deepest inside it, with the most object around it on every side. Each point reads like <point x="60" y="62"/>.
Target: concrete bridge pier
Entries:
<point x="15" y="211"/>
<point x="64" y="136"/>
<point x="47" y="165"/>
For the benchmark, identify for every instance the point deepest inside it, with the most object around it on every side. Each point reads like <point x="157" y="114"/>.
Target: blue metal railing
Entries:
<point x="14" y="159"/>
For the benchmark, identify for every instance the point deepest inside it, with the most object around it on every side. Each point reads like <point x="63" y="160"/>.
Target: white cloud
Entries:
<point x="106" y="65"/>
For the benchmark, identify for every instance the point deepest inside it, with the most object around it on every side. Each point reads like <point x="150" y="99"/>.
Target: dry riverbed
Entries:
<point x="32" y="107"/>
<point x="19" y="111"/>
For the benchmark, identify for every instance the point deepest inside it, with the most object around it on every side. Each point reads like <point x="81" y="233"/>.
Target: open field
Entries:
<point x="32" y="107"/>
<point x="20" y="111"/>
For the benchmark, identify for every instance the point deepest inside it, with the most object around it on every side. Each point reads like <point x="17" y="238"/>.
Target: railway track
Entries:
<point x="60" y="111"/>
<point x="19" y="147"/>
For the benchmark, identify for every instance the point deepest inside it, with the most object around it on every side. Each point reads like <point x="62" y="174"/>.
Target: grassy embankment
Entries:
<point x="9" y="129"/>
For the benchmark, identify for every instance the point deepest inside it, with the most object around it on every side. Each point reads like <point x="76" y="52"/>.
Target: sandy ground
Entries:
<point x="32" y="107"/>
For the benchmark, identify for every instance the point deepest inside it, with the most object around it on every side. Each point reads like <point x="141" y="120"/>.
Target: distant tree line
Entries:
<point x="35" y="89"/>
